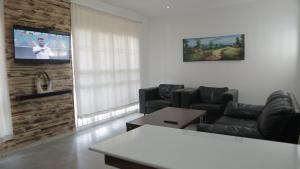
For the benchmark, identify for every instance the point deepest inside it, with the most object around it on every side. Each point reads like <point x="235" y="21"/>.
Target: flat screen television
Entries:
<point x="33" y="45"/>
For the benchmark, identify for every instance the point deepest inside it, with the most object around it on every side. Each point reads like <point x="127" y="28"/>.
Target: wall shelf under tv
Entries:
<point x="34" y="96"/>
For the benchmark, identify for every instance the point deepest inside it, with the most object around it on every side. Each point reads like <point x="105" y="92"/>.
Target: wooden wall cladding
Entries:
<point x="42" y="118"/>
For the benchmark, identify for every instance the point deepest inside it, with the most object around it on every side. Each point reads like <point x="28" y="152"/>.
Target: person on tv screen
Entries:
<point x="41" y="50"/>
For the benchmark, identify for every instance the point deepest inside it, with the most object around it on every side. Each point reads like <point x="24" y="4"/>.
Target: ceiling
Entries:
<point x="154" y="8"/>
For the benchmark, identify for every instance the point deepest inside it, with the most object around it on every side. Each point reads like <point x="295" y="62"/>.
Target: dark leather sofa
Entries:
<point x="213" y="100"/>
<point x="277" y="120"/>
<point x="153" y="99"/>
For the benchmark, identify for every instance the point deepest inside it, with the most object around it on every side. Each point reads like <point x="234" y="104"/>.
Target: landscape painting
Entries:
<point x="230" y="47"/>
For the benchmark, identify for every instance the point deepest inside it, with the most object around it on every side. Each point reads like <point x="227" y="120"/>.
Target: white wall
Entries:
<point x="272" y="33"/>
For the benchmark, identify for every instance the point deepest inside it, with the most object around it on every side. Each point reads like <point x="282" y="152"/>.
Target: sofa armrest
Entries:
<point x="240" y="110"/>
<point x="230" y="130"/>
<point x="145" y="95"/>
<point x="188" y="97"/>
<point x="230" y="95"/>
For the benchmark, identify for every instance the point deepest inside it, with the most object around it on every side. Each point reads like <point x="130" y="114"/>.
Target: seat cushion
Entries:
<point x="245" y="111"/>
<point x="275" y="118"/>
<point x="206" y="106"/>
<point x="229" y="130"/>
<point x="166" y="90"/>
<point x="212" y="94"/>
<point x="237" y="122"/>
<point x="158" y="103"/>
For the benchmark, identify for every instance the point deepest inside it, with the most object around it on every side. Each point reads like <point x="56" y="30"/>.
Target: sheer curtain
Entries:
<point x="106" y="61"/>
<point x="5" y="113"/>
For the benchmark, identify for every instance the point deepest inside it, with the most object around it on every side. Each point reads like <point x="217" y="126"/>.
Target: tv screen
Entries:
<point x="33" y="45"/>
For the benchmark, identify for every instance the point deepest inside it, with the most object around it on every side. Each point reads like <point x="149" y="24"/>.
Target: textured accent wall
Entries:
<point x="38" y="119"/>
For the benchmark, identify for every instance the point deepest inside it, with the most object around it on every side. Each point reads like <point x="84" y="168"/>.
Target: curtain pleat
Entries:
<point x="106" y="60"/>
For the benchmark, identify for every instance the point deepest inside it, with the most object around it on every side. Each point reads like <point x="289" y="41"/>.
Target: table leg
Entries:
<point x="203" y="119"/>
<point x="123" y="164"/>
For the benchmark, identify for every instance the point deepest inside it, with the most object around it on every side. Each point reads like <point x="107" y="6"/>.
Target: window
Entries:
<point x="106" y="64"/>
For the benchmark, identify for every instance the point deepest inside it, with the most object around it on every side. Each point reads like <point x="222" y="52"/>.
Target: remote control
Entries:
<point x="171" y="122"/>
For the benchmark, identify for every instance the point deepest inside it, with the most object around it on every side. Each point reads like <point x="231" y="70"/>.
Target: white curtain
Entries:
<point x="106" y="60"/>
<point x="5" y="112"/>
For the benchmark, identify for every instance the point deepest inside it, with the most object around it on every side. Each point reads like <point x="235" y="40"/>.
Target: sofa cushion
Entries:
<point x="165" y="90"/>
<point x="275" y="118"/>
<point x="276" y="95"/>
<point x="229" y="130"/>
<point x="158" y="103"/>
<point x="245" y="111"/>
<point x="237" y="122"/>
<point x="212" y="94"/>
<point x="206" y="106"/>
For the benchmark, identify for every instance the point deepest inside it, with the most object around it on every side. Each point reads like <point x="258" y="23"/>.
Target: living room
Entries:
<point x="149" y="84"/>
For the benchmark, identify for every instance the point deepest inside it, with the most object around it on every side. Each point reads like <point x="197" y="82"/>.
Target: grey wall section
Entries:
<point x="272" y="41"/>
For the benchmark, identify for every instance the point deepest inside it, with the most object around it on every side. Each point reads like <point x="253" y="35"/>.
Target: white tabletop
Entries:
<point x="169" y="148"/>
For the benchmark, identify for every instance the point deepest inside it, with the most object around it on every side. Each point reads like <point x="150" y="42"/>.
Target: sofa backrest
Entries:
<point x="165" y="90"/>
<point x="279" y="121"/>
<point x="274" y="118"/>
<point x="292" y="130"/>
<point x="212" y="94"/>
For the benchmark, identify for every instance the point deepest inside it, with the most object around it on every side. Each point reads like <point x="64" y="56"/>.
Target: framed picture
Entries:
<point x="229" y="47"/>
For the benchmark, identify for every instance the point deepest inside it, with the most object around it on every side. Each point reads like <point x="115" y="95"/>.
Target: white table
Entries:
<point x="159" y="147"/>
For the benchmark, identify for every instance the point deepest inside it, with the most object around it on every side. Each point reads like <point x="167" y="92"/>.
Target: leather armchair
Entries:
<point x="213" y="100"/>
<point x="277" y="120"/>
<point x="153" y="99"/>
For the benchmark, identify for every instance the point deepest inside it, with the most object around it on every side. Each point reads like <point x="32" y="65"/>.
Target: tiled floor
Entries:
<point x="70" y="152"/>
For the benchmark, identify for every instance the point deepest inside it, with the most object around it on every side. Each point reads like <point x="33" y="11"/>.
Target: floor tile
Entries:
<point x="70" y="152"/>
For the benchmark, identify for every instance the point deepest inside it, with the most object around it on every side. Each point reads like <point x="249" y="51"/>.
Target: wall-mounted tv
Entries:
<point x="33" y="45"/>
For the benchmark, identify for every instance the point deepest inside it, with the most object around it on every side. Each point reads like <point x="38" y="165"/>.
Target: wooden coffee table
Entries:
<point x="165" y="117"/>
